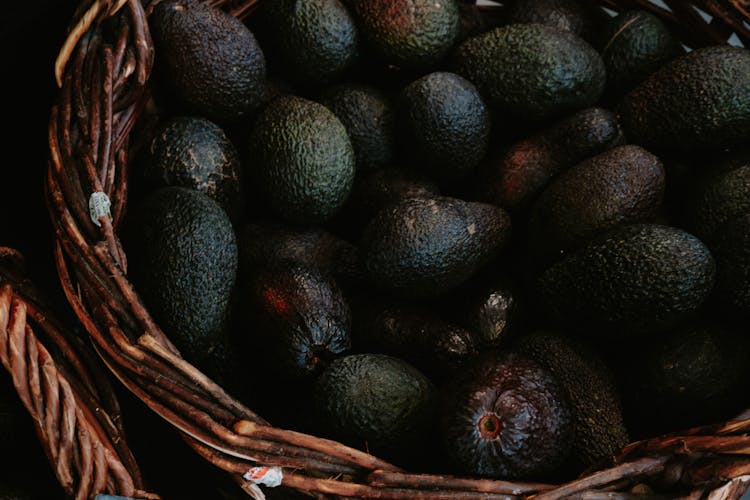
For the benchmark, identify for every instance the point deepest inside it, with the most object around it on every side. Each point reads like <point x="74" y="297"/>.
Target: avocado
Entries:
<point x="698" y="101"/>
<point x="515" y="176"/>
<point x="313" y="42"/>
<point x="445" y="125"/>
<point x="298" y="316"/>
<point x="376" y="402"/>
<point x="635" y="44"/>
<point x="732" y="251"/>
<point x="302" y="160"/>
<point x="697" y="374"/>
<point x="182" y="255"/>
<point x="369" y="118"/>
<point x="194" y="152"/>
<point x="420" y="248"/>
<point x="531" y="72"/>
<point x="410" y="34"/>
<point x="574" y="16"/>
<point x="624" y="184"/>
<point x="506" y="417"/>
<point x="632" y="280"/>
<point x="717" y="195"/>
<point x="592" y="390"/>
<point x="436" y="347"/>
<point x="209" y="61"/>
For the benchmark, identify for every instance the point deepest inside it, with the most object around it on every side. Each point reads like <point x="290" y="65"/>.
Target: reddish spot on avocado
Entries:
<point x="275" y="301"/>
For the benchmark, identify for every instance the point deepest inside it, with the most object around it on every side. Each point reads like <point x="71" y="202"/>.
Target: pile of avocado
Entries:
<point x="499" y="242"/>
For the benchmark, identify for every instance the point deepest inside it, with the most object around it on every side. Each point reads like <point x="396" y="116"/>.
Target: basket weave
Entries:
<point x="103" y="71"/>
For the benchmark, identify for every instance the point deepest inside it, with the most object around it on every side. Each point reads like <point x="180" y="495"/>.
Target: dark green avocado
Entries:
<point x="194" y="152"/>
<point x="183" y="261"/>
<point x="506" y="417"/>
<point x="699" y="101"/>
<point x="209" y="61"/>
<point x="420" y="248"/>
<point x="445" y="125"/>
<point x="532" y="72"/>
<point x="513" y="177"/>
<point x="632" y="280"/>
<point x="302" y="160"/>
<point x="313" y="42"/>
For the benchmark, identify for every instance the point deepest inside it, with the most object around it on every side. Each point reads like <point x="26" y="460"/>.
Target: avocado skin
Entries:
<point x="303" y="161"/>
<point x="515" y="177"/>
<point x="194" y="152"/>
<point x="624" y="184"/>
<point x="531" y="72"/>
<point x="445" y="124"/>
<point x="411" y="34"/>
<point x="591" y="386"/>
<point x="421" y="248"/>
<point x="196" y="46"/>
<point x="535" y="420"/>
<point x="632" y="280"/>
<point x="574" y="16"/>
<point x="732" y="251"/>
<point x="369" y="118"/>
<point x="314" y="41"/>
<point x="698" y="101"/>
<point x="635" y="44"/>
<point x="376" y="401"/>
<point x="183" y="260"/>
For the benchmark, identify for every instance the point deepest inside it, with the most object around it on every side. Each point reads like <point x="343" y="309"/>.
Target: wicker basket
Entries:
<point x="103" y="71"/>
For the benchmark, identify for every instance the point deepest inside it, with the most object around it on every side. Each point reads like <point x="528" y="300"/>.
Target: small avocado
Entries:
<point x="420" y="248"/>
<point x="414" y="333"/>
<point x="194" y="152"/>
<point x="732" y="251"/>
<point x="698" y="101"/>
<point x="302" y="160"/>
<point x="632" y="280"/>
<point x="298" y="317"/>
<point x="411" y="34"/>
<point x="210" y="61"/>
<point x="183" y="260"/>
<point x="592" y="390"/>
<point x="376" y="402"/>
<point x="313" y="42"/>
<point x="635" y="44"/>
<point x="506" y="417"/>
<point x="369" y="118"/>
<point x="574" y="16"/>
<point x="622" y="185"/>
<point x="697" y="374"/>
<point x="513" y="178"/>
<point x="445" y="125"/>
<point x="531" y="72"/>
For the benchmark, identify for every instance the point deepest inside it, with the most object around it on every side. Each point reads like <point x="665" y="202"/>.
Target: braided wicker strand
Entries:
<point x="104" y="89"/>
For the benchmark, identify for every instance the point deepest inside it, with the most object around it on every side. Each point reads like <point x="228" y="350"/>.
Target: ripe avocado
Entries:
<point x="574" y="16"/>
<point x="532" y="72"/>
<point x="313" y="42"/>
<point x="194" y="152"/>
<point x="208" y="59"/>
<point x="635" y="44"/>
<point x="411" y="34"/>
<point x="368" y="116"/>
<point x="634" y="279"/>
<point x="420" y="248"/>
<point x="698" y="101"/>
<point x="506" y="417"/>
<point x="591" y="388"/>
<point x="445" y="125"/>
<point x="376" y="402"/>
<point x="624" y="184"/>
<point x="513" y="178"/>
<point x="183" y="260"/>
<point x="303" y="161"/>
